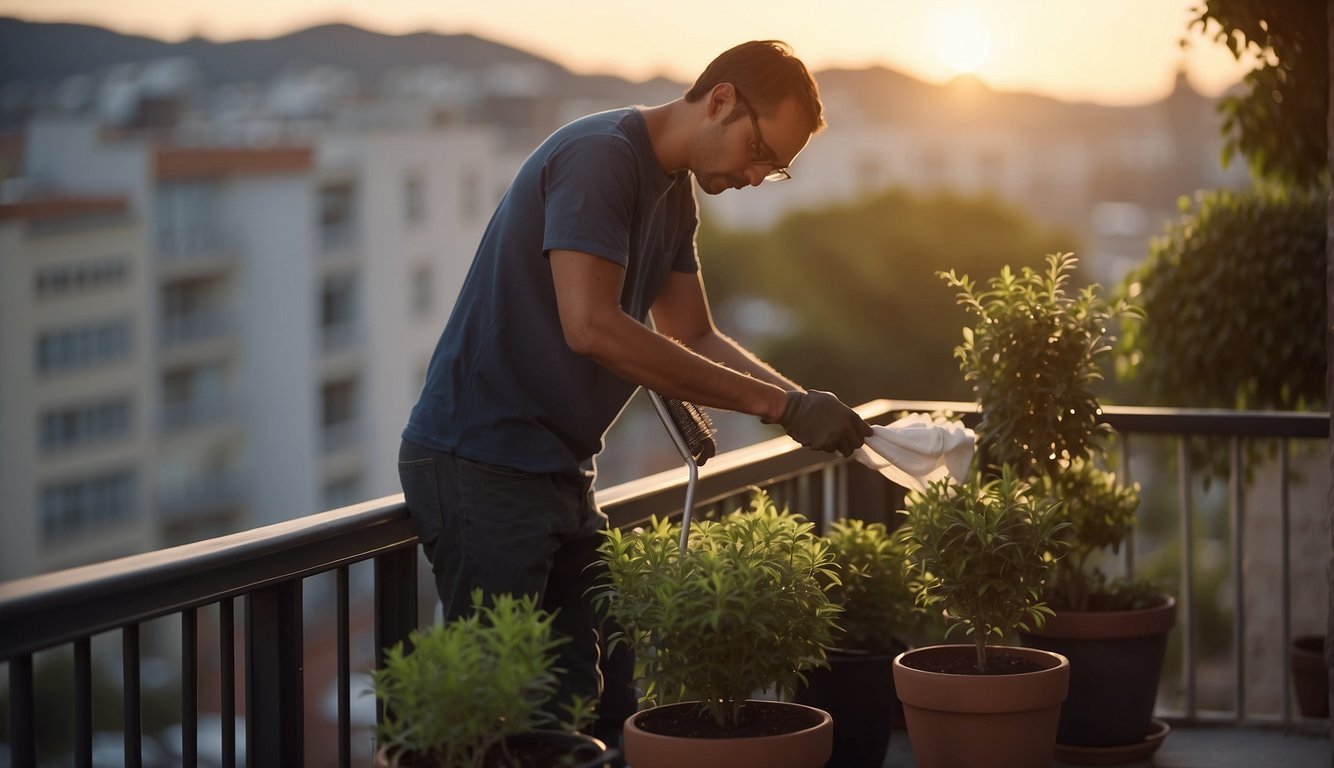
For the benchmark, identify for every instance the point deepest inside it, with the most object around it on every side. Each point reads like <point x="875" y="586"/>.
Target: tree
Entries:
<point x="1298" y="35"/>
<point x="1278" y="123"/>
<point x="871" y="318"/>
<point x="1233" y="314"/>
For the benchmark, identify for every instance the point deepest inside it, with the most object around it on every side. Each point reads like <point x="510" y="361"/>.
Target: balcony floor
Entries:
<point x="1198" y="747"/>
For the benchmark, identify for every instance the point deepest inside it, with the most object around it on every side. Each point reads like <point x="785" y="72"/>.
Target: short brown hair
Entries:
<point x="765" y="72"/>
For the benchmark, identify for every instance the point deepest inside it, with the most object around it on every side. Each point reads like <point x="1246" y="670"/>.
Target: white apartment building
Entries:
<point x="200" y="340"/>
<point x="401" y="213"/>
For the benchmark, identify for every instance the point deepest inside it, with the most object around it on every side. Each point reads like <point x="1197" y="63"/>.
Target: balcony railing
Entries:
<point x="196" y="327"/>
<point x="265" y="569"/>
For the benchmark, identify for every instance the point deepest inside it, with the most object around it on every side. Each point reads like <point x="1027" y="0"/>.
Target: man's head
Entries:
<point x="762" y="106"/>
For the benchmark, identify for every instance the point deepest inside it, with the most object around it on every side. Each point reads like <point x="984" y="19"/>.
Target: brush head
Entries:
<point x="695" y="426"/>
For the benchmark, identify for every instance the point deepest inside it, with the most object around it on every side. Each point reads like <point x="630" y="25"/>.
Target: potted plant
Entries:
<point x="857" y="686"/>
<point x="742" y="608"/>
<point x="1033" y="357"/>
<point x="470" y="694"/>
<point x="980" y="551"/>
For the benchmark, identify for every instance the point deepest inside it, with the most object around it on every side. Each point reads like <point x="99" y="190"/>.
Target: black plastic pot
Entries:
<point x="1310" y="678"/>
<point x="857" y="690"/>
<point x="1116" y="658"/>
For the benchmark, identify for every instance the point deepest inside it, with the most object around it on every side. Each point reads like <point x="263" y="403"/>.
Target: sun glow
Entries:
<point x="962" y="38"/>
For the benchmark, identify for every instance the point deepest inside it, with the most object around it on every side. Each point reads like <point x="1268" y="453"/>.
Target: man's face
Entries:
<point x="749" y="148"/>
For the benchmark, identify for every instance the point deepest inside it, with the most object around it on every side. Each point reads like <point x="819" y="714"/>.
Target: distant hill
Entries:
<point x="46" y="53"/>
<point x="43" y="54"/>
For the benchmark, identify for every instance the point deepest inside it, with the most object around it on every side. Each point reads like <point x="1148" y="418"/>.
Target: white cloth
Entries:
<point x="916" y="450"/>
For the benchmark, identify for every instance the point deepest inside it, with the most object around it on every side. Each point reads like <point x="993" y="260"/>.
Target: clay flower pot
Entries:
<point x="809" y="747"/>
<point x="996" y="720"/>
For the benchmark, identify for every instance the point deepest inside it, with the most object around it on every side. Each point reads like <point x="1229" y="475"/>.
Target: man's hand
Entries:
<point x="821" y="421"/>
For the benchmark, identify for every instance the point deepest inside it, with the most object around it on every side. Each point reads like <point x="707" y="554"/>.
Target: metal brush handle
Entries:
<point x="691" y="465"/>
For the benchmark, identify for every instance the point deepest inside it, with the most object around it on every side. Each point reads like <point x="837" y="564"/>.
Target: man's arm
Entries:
<point x="588" y="290"/>
<point x="682" y="312"/>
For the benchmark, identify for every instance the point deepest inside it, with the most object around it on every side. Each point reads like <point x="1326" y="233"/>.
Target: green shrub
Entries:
<point x="744" y="609"/>
<point x="980" y="551"/>
<point x="1031" y="358"/>
<point x="1234" y="304"/>
<point x="874" y="586"/>
<point x="467" y="685"/>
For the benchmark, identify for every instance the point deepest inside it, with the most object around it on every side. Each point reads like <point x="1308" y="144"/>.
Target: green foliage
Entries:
<point x="743" y="609"/>
<point x="1278" y="124"/>
<point x="871" y="320"/>
<point x="874" y="585"/>
<point x="1100" y="513"/>
<point x="1031" y="358"/>
<point x="1234" y="304"/>
<point x="981" y="551"/>
<point x="468" y="684"/>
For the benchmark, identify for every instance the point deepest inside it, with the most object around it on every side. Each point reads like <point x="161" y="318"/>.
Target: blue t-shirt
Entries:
<point x="503" y="387"/>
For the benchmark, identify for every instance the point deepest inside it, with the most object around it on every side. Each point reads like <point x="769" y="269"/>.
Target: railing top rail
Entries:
<point x="50" y="609"/>
<point x="53" y="608"/>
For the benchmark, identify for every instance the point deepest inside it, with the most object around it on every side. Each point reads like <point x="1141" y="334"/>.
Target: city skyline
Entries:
<point x="1123" y="53"/>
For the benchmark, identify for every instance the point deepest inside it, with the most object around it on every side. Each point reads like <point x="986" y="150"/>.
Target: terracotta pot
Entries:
<point x="1116" y="660"/>
<point x="807" y="748"/>
<point x="999" y="721"/>
<point x="1310" y="678"/>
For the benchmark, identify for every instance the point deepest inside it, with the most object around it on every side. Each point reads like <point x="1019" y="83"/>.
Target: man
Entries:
<point x="548" y="342"/>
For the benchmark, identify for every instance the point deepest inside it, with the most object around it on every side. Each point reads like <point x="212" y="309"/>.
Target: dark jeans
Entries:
<point x="502" y="530"/>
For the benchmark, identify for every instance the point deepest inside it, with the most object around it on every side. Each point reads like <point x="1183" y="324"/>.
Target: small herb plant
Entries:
<point x="874" y="586"/>
<point x="981" y="551"/>
<point x="1100" y="513"/>
<point x="468" y="684"/>
<point x="743" y="609"/>
<point x="1033" y="359"/>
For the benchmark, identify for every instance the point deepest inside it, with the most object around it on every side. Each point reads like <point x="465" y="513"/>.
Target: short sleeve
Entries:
<point x="589" y="188"/>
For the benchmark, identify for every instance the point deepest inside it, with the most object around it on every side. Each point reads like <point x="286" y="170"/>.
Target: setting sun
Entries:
<point x="961" y="38"/>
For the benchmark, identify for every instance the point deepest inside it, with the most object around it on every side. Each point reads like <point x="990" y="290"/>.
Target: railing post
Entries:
<point x="274" y="716"/>
<point x="395" y="603"/>
<point x="22" y="705"/>
<point x="83" y="702"/>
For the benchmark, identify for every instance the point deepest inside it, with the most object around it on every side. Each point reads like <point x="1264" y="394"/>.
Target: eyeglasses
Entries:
<point x="759" y="151"/>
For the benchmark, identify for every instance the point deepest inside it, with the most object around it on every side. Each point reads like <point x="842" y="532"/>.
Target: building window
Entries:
<point x="338" y="312"/>
<point x="71" y="349"/>
<point x="84" y="425"/>
<point x="338" y="413"/>
<point x="85" y="506"/>
<point x="69" y="279"/>
<point x="338" y="401"/>
<point x="337" y="206"/>
<point x="186" y="217"/>
<point x="414" y="199"/>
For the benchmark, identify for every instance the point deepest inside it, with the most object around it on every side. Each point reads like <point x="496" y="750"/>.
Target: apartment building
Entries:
<point x="205" y="339"/>
<point x="400" y="216"/>
<point x="75" y="403"/>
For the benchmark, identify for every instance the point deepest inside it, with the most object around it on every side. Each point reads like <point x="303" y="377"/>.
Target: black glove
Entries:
<point x="821" y="421"/>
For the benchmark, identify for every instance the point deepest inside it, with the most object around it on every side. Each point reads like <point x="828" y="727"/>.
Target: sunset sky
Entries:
<point x="1108" y="51"/>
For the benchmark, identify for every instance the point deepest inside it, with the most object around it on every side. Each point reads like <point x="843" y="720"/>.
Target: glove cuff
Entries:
<point x="789" y="408"/>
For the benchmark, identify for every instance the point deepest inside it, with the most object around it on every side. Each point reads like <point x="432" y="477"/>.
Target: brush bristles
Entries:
<point x="695" y="427"/>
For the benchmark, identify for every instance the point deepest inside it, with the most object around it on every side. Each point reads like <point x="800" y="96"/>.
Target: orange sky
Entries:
<point x="1119" y="52"/>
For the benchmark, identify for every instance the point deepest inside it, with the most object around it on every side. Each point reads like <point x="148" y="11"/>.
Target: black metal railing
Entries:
<point x="265" y="568"/>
